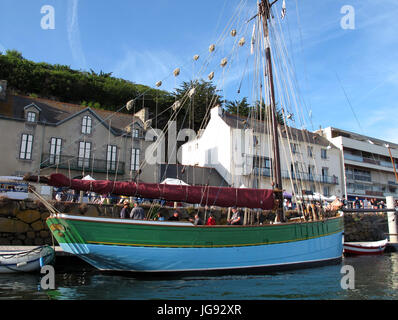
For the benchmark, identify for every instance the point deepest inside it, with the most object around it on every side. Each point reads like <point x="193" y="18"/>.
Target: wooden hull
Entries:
<point x="365" y="248"/>
<point x="165" y="247"/>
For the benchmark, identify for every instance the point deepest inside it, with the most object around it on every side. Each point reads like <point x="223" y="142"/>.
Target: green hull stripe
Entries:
<point x="72" y="231"/>
<point x="208" y="246"/>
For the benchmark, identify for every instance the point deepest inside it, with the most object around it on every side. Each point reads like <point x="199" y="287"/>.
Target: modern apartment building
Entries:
<point x="368" y="164"/>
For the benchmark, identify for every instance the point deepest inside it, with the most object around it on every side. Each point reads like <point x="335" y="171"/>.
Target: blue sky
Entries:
<point x="346" y="78"/>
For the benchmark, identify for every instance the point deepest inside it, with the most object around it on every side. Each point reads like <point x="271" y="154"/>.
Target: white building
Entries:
<point x="243" y="156"/>
<point x="367" y="167"/>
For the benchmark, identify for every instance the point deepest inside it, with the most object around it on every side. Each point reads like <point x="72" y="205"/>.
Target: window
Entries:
<point x="135" y="159"/>
<point x="295" y="167"/>
<point x="309" y="151"/>
<point x="26" y="147"/>
<point x="294" y="148"/>
<point x="326" y="191"/>
<point x="255" y="141"/>
<point x="55" y="150"/>
<point x="31" y="116"/>
<point x="136" y="133"/>
<point x="358" y="174"/>
<point x="325" y="174"/>
<point x="111" y="157"/>
<point x="84" y="154"/>
<point x="86" y="125"/>
<point x="311" y="171"/>
<point x="261" y="162"/>
<point x="262" y="165"/>
<point x="324" y="154"/>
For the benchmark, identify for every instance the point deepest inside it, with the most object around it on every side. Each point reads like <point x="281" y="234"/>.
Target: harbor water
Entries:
<point x="375" y="277"/>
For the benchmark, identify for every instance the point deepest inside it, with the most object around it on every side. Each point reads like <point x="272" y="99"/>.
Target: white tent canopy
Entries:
<point x="10" y="178"/>
<point x="174" y="181"/>
<point x="88" y="177"/>
<point x="316" y="197"/>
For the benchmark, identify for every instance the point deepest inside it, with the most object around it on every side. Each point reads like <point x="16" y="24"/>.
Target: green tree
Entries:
<point x="76" y="86"/>
<point x="261" y="111"/>
<point x="195" y="106"/>
<point x="238" y="107"/>
<point x="14" y="54"/>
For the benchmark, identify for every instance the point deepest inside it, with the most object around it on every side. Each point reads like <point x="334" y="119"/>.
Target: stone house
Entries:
<point x="41" y="136"/>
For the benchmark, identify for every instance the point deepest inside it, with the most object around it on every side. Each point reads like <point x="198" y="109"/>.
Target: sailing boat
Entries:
<point x="150" y="247"/>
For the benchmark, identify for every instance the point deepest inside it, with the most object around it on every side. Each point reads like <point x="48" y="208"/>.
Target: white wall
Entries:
<point x="213" y="148"/>
<point x="230" y="152"/>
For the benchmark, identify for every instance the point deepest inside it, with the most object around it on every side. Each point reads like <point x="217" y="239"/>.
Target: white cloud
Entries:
<point x="74" y="34"/>
<point x="148" y="67"/>
<point x="391" y="135"/>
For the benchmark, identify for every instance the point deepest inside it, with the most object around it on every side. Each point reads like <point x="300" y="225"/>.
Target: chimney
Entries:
<point x="217" y="111"/>
<point x="3" y="90"/>
<point x="143" y="114"/>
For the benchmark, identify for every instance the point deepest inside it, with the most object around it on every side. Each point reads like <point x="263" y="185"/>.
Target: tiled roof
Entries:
<point x="55" y="112"/>
<point x="295" y="134"/>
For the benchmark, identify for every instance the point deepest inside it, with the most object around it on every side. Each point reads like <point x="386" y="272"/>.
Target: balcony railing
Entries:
<point x="78" y="164"/>
<point x="266" y="172"/>
<point x="359" y="177"/>
<point x="382" y="163"/>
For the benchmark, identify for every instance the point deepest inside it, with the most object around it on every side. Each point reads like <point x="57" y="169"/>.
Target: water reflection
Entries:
<point x="376" y="277"/>
<point x="394" y="272"/>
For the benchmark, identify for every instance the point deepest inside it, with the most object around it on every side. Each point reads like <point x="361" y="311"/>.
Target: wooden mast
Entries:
<point x="393" y="162"/>
<point x="264" y="12"/>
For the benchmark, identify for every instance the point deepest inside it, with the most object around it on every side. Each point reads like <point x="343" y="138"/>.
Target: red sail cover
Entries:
<point x="203" y="195"/>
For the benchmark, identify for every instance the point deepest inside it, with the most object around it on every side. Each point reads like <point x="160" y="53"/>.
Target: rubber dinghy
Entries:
<point x="25" y="260"/>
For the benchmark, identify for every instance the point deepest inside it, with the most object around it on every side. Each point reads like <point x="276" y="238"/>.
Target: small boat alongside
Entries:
<point x="25" y="260"/>
<point x="365" y="248"/>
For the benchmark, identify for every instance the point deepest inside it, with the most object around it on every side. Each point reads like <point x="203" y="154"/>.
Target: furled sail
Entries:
<point x="203" y="195"/>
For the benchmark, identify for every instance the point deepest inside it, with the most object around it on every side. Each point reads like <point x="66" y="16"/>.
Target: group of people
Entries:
<point x="236" y="219"/>
<point x="373" y="203"/>
<point x="138" y="213"/>
<point x="87" y="197"/>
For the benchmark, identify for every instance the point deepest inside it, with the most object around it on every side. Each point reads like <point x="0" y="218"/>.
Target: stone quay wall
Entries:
<point x="23" y="222"/>
<point x="365" y="227"/>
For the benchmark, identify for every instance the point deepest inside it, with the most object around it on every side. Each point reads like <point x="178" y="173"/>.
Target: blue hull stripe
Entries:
<point x="155" y="259"/>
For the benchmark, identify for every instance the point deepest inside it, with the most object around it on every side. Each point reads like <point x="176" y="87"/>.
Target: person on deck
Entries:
<point x="357" y="203"/>
<point x="197" y="221"/>
<point x="160" y="216"/>
<point x="237" y="217"/>
<point x="211" y="221"/>
<point x="174" y="217"/>
<point x="137" y="213"/>
<point x="124" y="211"/>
